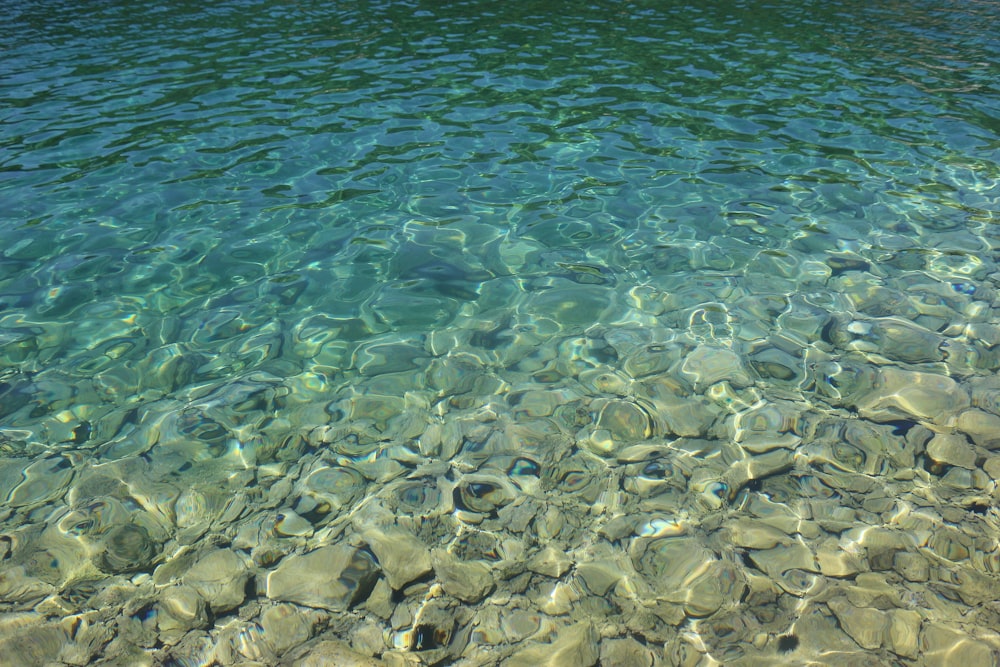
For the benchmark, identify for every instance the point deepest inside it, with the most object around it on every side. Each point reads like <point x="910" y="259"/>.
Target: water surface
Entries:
<point x="679" y="322"/>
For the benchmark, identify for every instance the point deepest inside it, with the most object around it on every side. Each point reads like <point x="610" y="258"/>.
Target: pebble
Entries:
<point x="903" y="637"/>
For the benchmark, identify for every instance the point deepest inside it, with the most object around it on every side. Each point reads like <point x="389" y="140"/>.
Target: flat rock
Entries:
<point x="574" y="646"/>
<point x="468" y="581"/>
<point x="401" y="555"/>
<point x="625" y="652"/>
<point x="900" y="394"/>
<point x="707" y="364"/>
<point x="181" y="609"/>
<point x="551" y="562"/>
<point x="866" y="626"/>
<point x="953" y="449"/>
<point x="220" y="578"/>
<point x="327" y="653"/>
<point x="286" y="626"/>
<point x="836" y="562"/>
<point x="983" y="427"/>
<point x="942" y="646"/>
<point x="904" y="632"/>
<point x="333" y="577"/>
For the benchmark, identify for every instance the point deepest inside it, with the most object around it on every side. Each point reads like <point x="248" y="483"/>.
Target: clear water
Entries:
<point x="520" y="240"/>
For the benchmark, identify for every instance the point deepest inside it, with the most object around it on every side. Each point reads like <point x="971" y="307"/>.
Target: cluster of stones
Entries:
<point x="711" y="476"/>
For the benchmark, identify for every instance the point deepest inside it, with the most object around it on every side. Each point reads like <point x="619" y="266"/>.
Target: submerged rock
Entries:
<point x="468" y="581"/>
<point x="900" y="394"/>
<point x="334" y="577"/>
<point x="401" y="555"/>
<point x="575" y="645"/>
<point x="220" y="578"/>
<point x="127" y="548"/>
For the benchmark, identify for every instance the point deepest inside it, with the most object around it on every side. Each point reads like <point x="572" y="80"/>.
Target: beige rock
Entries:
<point x="551" y="562"/>
<point x="333" y="577"/>
<point x="912" y="566"/>
<point x="220" y="578"/>
<point x="943" y="646"/>
<point x="952" y="449"/>
<point x="402" y="557"/>
<point x="866" y="626"/>
<point x="181" y="609"/>
<point x="468" y="581"/>
<point x="872" y="589"/>
<point x="753" y="534"/>
<point x="286" y="626"/>
<point x="836" y="562"/>
<point x="599" y="576"/>
<point x="904" y="632"/>
<point x="327" y="653"/>
<point x="574" y="646"/>
<point x="707" y="364"/>
<point x="780" y="559"/>
<point x="625" y="652"/>
<point x="982" y="427"/>
<point x="900" y="394"/>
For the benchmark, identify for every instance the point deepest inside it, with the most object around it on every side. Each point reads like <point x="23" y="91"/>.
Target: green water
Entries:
<point x="519" y="240"/>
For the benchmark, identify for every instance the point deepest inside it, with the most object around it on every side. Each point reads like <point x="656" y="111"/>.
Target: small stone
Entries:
<point x="900" y="394"/>
<point x="127" y="548"/>
<point x="599" y="576"/>
<point x="836" y="562"/>
<point x="707" y="364"/>
<point x="708" y="592"/>
<point x="872" y="589"/>
<point x="782" y="558"/>
<point x="752" y="534"/>
<point x="290" y="524"/>
<point x="27" y="646"/>
<point x="556" y="598"/>
<point x="992" y="468"/>
<point x="334" y="577"/>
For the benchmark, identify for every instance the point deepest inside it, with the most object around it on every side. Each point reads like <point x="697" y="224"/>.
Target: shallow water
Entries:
<point x="619" y="334"/>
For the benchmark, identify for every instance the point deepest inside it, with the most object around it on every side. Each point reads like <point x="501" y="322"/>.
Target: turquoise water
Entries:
<point x="626" y="280"/>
